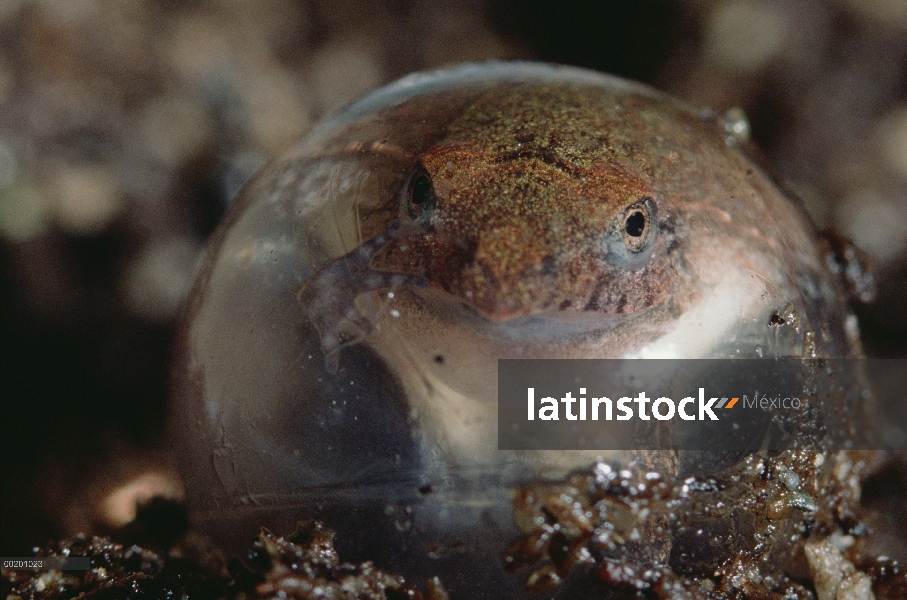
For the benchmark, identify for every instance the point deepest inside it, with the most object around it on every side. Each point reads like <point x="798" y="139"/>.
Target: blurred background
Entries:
<point x="126" y="126"/>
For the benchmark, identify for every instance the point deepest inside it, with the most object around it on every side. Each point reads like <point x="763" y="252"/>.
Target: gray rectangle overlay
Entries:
<point x="46" y="563"/>
<point x="742" y="405"/>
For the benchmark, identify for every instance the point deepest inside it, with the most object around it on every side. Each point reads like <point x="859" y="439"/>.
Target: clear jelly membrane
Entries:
<point x="310" y="383"/>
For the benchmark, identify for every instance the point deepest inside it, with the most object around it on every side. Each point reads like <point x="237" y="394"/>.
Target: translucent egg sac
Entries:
<point x="337" y="359"/>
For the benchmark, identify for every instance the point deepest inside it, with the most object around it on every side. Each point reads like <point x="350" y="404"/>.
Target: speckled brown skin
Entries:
<point x="529" y="183"/>
<point x="527" y="188"/>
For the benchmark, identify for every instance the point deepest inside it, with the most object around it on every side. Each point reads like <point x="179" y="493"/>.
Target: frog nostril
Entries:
<point x="635" y="224"/>
<point x="548" y="265"/>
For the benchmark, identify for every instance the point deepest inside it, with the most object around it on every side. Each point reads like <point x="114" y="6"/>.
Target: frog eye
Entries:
<point x="636" y="225"/>
<point x="420" y="195"/>
<point x="631" y="236"/>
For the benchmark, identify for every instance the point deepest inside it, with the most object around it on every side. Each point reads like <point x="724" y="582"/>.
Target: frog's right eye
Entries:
<point x="420" y="195"/>
<point x="637" y="226"/>
<point x="631" y="236"/>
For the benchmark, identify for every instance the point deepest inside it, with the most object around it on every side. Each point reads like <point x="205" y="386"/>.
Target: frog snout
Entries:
<point x="511" y="274"/>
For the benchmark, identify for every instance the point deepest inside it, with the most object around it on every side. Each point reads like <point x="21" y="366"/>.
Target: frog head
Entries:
<point x="519" y="229"/>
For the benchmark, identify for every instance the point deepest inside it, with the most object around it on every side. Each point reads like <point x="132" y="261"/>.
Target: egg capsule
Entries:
<point x="338" y="355"/>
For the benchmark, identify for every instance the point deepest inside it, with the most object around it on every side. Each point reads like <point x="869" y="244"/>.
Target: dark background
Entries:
<point x="126" y="127"/>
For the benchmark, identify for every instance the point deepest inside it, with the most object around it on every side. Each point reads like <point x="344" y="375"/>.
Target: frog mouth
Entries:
<point x="534" y="296"/>
<point x="551" y="325"/>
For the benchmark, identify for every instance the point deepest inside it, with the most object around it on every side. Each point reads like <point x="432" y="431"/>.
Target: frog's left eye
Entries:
<point x="420" y="195"/>
<point x="631" y="236"/>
